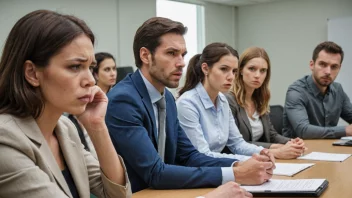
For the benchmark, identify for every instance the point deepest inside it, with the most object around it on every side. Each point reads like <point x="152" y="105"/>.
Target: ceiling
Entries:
<point x="240" y="2"/>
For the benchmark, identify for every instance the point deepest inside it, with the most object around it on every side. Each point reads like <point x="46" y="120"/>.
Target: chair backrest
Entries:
<point x="122" y="72"/>
<point x="276" y="117"/>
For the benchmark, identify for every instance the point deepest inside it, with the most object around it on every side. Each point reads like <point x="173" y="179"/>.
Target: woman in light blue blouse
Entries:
<point x="204" y="112"/>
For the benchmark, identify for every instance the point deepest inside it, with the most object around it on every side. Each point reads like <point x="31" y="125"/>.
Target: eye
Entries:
<point x="223" y="69"/>
<point x="251" y="69"/>
<point x="171" y="53"/>
<point x="263" y="71"/>
<point x="235" y="71"/>
<point x="334" y="67"/>
<point x="75" y="67"/>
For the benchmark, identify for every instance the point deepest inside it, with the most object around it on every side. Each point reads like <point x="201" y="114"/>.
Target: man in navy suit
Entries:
<point x="132" y="120"/>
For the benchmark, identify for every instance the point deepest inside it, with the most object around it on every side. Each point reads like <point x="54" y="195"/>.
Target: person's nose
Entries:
<point x="180" y="62"/>
<point x="88" y="80"/>
<point x="327" y="70"/>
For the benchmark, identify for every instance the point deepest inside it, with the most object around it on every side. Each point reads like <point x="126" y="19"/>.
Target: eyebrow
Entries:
<point x="81" y="59"/>
<point x="176" y="50"/>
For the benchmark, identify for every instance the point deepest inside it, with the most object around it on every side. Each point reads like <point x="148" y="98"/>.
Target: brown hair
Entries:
<point x="261" y="96"/>
<point x="211" y="54"/>
<point x="148" y="35"/>
<point x="37" y="37"/>
<point x="329" y="47"/>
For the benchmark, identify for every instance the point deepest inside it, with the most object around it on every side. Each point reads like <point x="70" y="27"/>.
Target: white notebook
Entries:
<point x="279" y="185"/>
<point x="334" y="157"/>
<point x="290" y="169"/>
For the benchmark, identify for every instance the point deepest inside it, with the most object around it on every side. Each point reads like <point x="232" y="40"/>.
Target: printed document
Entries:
<point x="277" y="185"/>
<point x="290" y="169"/>
<point x="334" y="157"/>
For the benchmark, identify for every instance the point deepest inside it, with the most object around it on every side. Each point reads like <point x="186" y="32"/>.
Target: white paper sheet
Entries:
<point x="334" y="157"/>
<point x="347" y="138"/>
<point x="290" y="169"/>
<point x="277" y="185"/>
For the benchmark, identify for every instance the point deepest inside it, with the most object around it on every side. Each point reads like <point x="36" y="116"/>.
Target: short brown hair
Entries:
<point x="329" y="47"/>
<point x="148" y="35"/>
<point x="261" y="96"/>
<point x="37" y="37"/>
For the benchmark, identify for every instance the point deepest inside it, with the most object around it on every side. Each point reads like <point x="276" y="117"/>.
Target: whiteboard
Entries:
<point x="340" y="32"/>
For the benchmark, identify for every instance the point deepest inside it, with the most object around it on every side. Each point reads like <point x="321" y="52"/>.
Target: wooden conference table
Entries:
<point x="339" y="175"/>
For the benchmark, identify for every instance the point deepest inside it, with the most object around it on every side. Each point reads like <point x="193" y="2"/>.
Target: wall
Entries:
<point x="289" y="31"/>
<point x="100" y="16"/>
<point x="220" y="24"/>
<point x="114" y="22"/>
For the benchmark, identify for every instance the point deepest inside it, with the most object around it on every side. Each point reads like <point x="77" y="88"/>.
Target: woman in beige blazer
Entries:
<point x="45" y="71"/>
<point x="249" y="103"/>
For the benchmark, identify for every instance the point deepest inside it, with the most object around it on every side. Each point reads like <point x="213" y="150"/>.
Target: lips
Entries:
<point x="85" y="98"/>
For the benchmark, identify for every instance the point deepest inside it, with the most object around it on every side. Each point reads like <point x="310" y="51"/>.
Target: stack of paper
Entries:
<point x="289" y="169"/>
<point x="277" y="185"/>
<point x="334" y="157"/>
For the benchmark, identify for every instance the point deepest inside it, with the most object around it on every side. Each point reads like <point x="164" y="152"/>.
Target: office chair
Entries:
<point x="276" y="117"/>
<point x="122" y="72"/>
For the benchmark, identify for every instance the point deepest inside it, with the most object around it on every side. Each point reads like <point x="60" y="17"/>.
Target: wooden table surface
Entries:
<point x="339" y="175"/>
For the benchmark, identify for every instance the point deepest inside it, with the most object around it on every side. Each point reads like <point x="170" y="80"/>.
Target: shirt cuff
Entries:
<point x="227" y="173"/>
<point x="340" y="131"/>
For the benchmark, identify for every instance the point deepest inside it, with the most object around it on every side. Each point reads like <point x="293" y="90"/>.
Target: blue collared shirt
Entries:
<point x="212" y="128"/>
<point x="154" y="94"/>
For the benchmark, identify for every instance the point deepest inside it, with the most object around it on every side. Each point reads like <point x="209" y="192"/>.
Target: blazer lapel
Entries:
<point x="73" y="158"/>
<point x="142" y="89"/>
<point x="31" y="129"/>
<point x="266" y="128"/>
<point x="244" y="117"/>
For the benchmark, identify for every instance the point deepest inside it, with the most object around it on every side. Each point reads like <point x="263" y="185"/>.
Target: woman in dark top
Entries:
<point x="249" y="103"/>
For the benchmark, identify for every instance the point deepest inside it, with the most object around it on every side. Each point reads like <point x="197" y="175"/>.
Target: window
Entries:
<point x="192" y="16"/>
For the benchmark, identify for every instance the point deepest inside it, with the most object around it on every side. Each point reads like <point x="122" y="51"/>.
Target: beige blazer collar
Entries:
<point x="70" y="150"/>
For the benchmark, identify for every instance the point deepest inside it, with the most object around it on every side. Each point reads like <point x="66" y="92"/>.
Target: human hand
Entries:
<point x="229" y="190"/>
<point x="94" y="115"/>
<point x="253" y="172"/>
<point x="349" y="130"/>
<point x="288" y="151"/>
<point x="269" y="156"/>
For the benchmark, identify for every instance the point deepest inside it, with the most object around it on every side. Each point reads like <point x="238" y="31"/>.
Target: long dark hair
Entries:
<point x="211" y="54"/>
<point x="37" y="37"/>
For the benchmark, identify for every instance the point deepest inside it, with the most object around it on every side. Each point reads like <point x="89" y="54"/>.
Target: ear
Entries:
<point x="311" y="65"/>
<point x="205" y="69"/>
<point x="31" y="73"/>
<point x="145" y="55"/>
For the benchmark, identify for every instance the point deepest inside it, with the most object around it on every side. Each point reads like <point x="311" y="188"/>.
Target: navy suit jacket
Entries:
<point x="131" y="123"/>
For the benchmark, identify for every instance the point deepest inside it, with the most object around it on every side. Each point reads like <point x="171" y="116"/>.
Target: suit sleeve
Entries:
<point x="100" y="185"/>
<point x="125" y="122"/>
<point x="346" y="113"/>
<point x="298" y="118"/>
